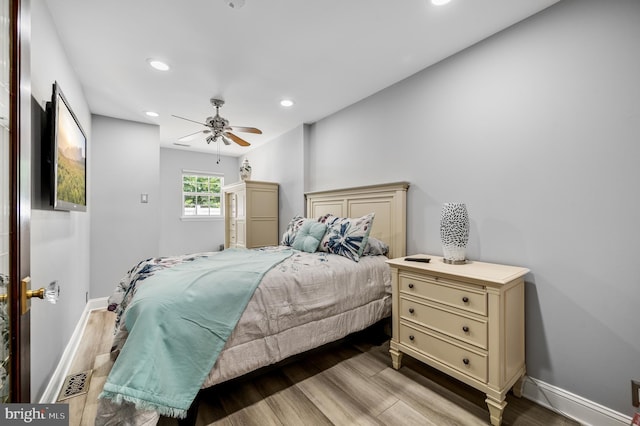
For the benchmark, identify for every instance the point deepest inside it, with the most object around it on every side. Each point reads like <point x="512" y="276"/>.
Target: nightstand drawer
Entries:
<point x="457" y="357"/>
<point x="468" y="298"/>
<point x="461" y="327"/>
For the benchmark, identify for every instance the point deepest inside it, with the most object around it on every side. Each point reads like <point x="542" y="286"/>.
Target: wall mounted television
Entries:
<point x="68" y="155"/>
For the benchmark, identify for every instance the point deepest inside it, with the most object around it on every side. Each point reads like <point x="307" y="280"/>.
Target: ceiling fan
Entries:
<point x="219" y="128"/>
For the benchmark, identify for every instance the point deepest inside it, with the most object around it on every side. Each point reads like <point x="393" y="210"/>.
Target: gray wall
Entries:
<point x="123" y="230"/>
<point x="281" y="161"/>
<point x="179" y="236"/>
<point x="128" y="163"/>
<point x="59" y="240"/>
<point x="536" y="129"/>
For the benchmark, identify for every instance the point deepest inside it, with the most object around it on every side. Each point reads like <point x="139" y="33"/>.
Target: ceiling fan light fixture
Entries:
<point x="286" y="103"/>
<point x="159" y="65"/>
<point x="218" y="127"/>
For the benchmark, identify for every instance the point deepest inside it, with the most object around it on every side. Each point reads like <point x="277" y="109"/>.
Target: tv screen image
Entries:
<point x="70" y="156"/>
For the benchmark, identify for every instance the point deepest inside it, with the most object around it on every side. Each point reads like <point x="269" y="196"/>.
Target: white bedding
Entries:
<point x="308" y="300"/>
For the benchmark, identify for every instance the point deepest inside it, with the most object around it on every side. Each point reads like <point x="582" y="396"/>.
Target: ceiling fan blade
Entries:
<point x="246" y="129"/>
<point x="236" y="139"/>
<point x="190" y="136"/>
<point x="188" y="119"/>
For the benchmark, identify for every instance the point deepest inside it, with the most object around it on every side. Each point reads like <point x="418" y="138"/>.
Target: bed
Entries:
<point x="304" y="298"/>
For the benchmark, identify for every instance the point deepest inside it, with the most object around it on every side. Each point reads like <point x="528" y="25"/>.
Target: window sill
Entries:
<point x="201" y="218"/>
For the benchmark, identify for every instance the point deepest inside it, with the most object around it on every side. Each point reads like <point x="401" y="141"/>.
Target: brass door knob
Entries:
<point x="50" y="294"/>
<point x="39" y="293"/>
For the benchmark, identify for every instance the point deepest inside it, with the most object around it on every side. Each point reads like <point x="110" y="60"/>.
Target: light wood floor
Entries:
<point x="351" y="383"/>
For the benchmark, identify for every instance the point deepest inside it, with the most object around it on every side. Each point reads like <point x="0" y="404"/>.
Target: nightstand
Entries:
<point x="465" y="320"/>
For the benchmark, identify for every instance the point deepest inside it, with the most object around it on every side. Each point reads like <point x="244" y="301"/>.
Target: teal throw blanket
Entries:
<point x="178" y="323"/>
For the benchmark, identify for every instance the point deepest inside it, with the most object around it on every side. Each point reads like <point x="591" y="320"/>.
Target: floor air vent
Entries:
<point x="75" y="384"/>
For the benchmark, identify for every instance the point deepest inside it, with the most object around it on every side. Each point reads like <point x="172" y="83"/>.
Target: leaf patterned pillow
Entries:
<point x="292" y="229"/>
<point x="327" y="219"/>
<point x="347" y="236"/>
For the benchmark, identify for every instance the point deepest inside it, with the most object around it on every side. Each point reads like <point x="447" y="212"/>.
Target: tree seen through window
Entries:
<point x="201" y="195"/>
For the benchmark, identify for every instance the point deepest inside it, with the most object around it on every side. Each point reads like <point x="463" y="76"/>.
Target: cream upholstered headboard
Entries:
<point x="387" y="201"/>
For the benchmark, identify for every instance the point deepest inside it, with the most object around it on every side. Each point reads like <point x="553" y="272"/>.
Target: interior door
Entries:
<point x="15" y="171"/>
<point x="5" y="198"/>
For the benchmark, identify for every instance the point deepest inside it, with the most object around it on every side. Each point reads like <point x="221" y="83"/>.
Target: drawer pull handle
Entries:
<point x="411" y="310"/>
<point x="465" y="299"/>
<point x="411" y="337"/>
<point x="465" y="329"/>
<point x="465" y="361"/>
<point x="410" y="285"/>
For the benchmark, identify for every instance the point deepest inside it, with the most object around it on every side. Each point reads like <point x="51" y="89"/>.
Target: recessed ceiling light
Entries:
<point x="439" y="2"/>
<point x="152" y="114"/>
<point x="159" y="65"/>
<point x="286" y="103"/>
<point x="235" y="4"/>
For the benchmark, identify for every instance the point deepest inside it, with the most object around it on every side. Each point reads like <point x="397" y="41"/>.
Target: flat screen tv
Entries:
<point x="68" y="155"/>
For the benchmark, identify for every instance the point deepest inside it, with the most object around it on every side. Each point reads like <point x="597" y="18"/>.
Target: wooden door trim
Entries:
<point x="20" y="205"/>
<point x="14" y="222"/>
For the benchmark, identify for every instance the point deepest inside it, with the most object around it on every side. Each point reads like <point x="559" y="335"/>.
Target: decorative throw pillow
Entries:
<point x="324" y="217"/>
<point x="309" y="235"/>
<point x="347" y="236"/>
<point x="292" y="228"/>
<point x="327" y="219"/>
<point x="375" y="247"/>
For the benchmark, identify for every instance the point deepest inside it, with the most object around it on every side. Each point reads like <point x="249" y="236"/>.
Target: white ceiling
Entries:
<point x="325" y="55"/>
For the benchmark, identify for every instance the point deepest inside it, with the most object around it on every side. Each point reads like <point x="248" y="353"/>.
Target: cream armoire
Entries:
<point x="250" y="214"/>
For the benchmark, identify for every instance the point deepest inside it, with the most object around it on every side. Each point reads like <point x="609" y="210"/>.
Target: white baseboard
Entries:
<point x="571" y="405"/>
<point x="51" y="392"/>
<point x="559" y="400"/>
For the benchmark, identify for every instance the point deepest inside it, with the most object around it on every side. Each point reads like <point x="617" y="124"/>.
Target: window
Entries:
<point x="201" y="194"/>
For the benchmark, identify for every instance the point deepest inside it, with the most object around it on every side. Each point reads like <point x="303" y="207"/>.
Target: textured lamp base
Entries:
<point x="455" y="262"/>
<point x="454" y="232"/>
